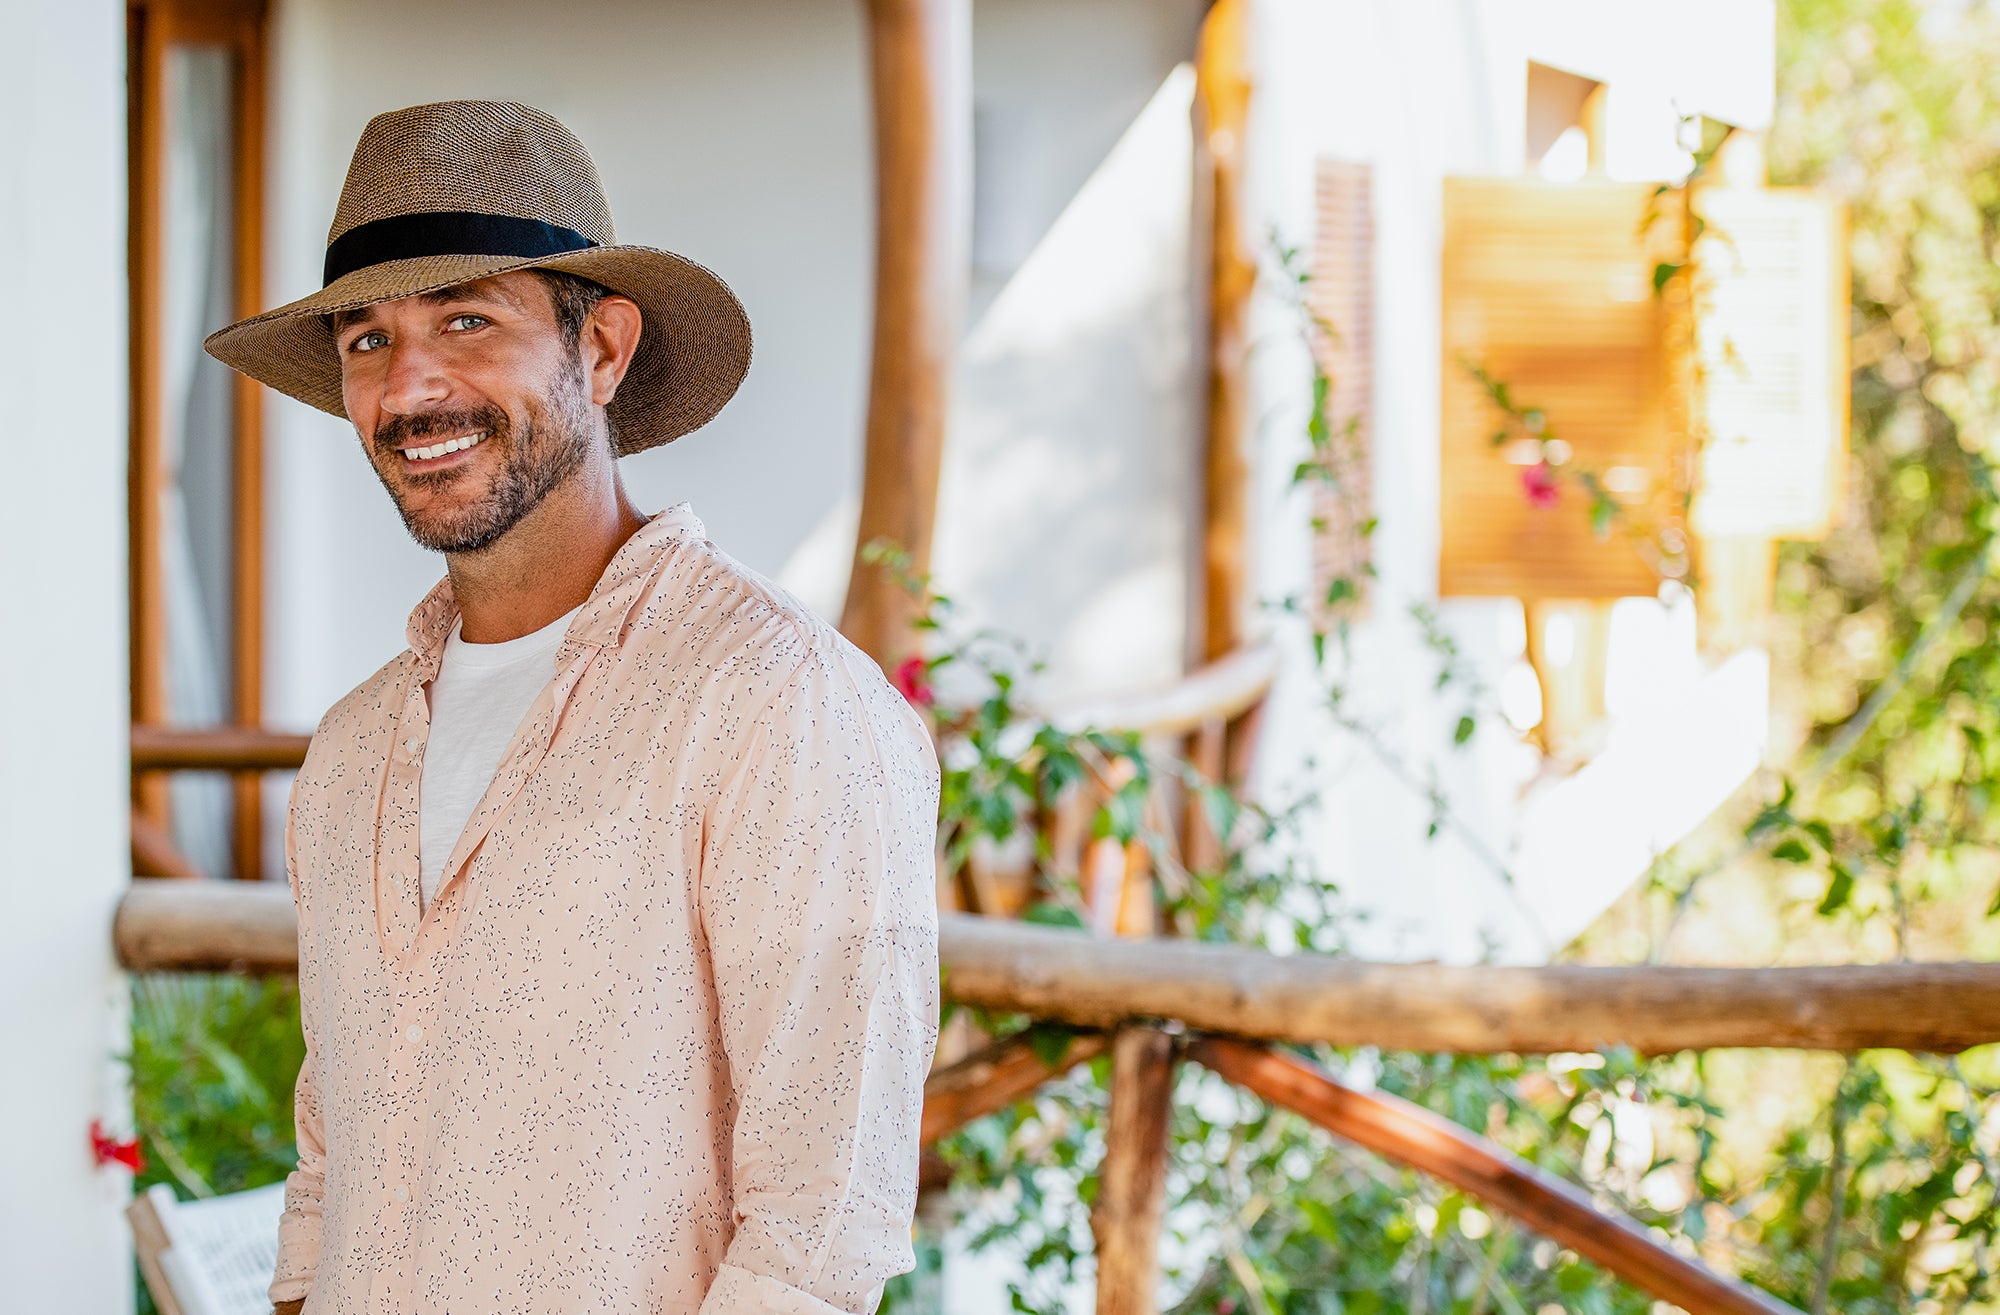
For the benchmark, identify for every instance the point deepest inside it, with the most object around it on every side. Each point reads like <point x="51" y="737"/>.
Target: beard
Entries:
<point x="550" y="446"/>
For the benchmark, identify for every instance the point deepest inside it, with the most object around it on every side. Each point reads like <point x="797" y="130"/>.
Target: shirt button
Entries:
<point x="402" y="1192"/>
<point x="414" y="1034"/>
<point x="413" y="746"/>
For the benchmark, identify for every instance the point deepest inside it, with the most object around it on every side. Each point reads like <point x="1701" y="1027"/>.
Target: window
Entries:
<point x="1565" y="122"/>
<point x="196" y="234"/>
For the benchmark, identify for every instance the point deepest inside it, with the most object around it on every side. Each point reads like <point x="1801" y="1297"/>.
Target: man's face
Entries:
<point x="484" y="370"/>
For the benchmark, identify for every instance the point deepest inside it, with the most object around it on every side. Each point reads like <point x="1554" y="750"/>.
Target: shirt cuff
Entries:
<point x="739" y="1292"/>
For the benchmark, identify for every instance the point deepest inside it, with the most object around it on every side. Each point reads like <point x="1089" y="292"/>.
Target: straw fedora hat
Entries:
<point x="460" y="190"/>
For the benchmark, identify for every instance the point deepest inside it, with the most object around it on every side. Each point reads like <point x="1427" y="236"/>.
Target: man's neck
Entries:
<point x="547" y="564"/>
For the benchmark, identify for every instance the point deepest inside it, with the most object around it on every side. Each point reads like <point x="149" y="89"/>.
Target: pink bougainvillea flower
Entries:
<point x="1539" y="483"/>
<point x="910" y="680"/>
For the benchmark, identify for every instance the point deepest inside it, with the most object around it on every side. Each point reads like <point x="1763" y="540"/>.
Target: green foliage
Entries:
<point x="213" y="1061"/>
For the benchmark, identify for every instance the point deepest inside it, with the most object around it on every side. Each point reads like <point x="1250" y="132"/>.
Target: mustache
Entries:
<point x="397" y="431"/>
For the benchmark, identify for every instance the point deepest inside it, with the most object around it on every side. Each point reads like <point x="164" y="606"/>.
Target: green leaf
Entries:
<point x="1662" y="272"/>
<point x="1463" y="731"/>
<point x="1048" y="914"/>
<point x="1791" y="851"/>
<point x="1320" y="1219"/>
<point x="1602" y="512"/>
<point x="1050" y="1043"/>
<point x="1838" y="891"/>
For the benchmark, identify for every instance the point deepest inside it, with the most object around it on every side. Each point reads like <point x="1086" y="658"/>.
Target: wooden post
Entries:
<point x="921" y="78"/>
<point x="147" y="475"/>
<point x="1222" y="98"/>
<point x="1131" y="1196"/>
<point x="249" y="23"/>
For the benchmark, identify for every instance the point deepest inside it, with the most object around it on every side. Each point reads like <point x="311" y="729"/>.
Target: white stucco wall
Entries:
<point x="736" y="134"/>
<point x="63" y="800"/>
<point x="740" y="135"/>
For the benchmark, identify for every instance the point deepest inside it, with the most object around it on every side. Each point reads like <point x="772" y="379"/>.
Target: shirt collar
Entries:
<point x="602" y="620"/>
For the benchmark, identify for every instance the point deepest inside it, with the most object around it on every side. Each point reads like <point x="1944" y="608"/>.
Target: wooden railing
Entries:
<point x="1151" y="1001"/>
<point x="1228" y="1008"/>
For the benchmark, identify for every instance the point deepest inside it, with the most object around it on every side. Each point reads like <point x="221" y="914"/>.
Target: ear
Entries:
<point x="607" y="342"/>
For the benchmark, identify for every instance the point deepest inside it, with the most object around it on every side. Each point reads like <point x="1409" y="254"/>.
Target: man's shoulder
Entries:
<point x="760" y="643"/>
<point x="730" y="620"/>
<point x="367" y="709"/>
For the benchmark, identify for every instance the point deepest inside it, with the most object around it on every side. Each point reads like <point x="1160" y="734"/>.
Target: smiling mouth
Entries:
<point x="445" y="448"/>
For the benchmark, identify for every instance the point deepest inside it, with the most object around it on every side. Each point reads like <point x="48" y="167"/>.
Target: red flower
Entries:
<point x="1539" y="483"/>
<point x="109" y="1150"/>
<point x="910" y="681"/>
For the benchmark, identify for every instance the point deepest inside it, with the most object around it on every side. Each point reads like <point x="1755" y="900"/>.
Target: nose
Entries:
<point x="414" y="380"/>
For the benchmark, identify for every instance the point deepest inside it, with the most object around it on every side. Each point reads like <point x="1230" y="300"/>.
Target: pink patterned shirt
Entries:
<point x="659" y="1043"/>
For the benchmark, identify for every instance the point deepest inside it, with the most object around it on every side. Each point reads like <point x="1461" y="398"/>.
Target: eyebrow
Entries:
<point x="344" y="319"/>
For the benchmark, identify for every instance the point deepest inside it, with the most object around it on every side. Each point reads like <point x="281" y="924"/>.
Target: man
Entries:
<point x="617" y="942"/>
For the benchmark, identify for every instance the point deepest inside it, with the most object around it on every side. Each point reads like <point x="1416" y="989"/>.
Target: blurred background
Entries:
<point x="1458" y="482"/>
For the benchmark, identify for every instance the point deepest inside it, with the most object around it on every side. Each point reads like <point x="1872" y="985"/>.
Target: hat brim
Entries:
<point x="694" y="346"/>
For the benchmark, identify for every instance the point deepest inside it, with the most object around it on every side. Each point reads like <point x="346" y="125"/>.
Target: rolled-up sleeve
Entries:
<point x="299" y="1226"/>
<point x="818" y="904"/>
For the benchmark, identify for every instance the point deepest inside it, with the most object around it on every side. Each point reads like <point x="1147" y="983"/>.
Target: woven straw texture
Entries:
<point x="496" y="157"/>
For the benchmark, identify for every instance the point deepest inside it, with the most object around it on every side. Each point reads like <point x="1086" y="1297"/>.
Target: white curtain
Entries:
<point x="198" y="430"/>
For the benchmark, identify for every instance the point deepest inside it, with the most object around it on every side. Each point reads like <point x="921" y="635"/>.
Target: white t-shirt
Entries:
<point x="479" y="698"/>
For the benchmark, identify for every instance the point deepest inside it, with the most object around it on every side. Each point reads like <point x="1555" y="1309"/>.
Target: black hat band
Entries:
<point x="447" y="233"/>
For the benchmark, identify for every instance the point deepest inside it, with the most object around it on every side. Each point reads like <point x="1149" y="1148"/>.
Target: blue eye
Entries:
<point x="368" y="342"/>
<point x="476" y="321"/>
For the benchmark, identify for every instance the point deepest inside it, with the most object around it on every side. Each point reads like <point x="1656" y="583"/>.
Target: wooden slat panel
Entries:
<point x="1343" y="300"/>
<point x="1549" y="288"/>
<point x="1773" y="346"/>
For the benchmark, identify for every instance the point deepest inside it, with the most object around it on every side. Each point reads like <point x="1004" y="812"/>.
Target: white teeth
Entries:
<point x="440" y="449"/>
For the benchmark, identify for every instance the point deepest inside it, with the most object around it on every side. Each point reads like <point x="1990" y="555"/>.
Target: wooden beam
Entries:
<point x="1066" y="977"/>
<point x="216" y="748"/>
<point x="920" y="65"/>
<point x="207" y="926"/>
<point x="1413" y="1136"/>
<point x="1131" y="1204"/>
<point x="994" y="1077"/>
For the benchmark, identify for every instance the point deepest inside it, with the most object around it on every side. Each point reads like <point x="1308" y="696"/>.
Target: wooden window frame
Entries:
<point x="241" y="27"/>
